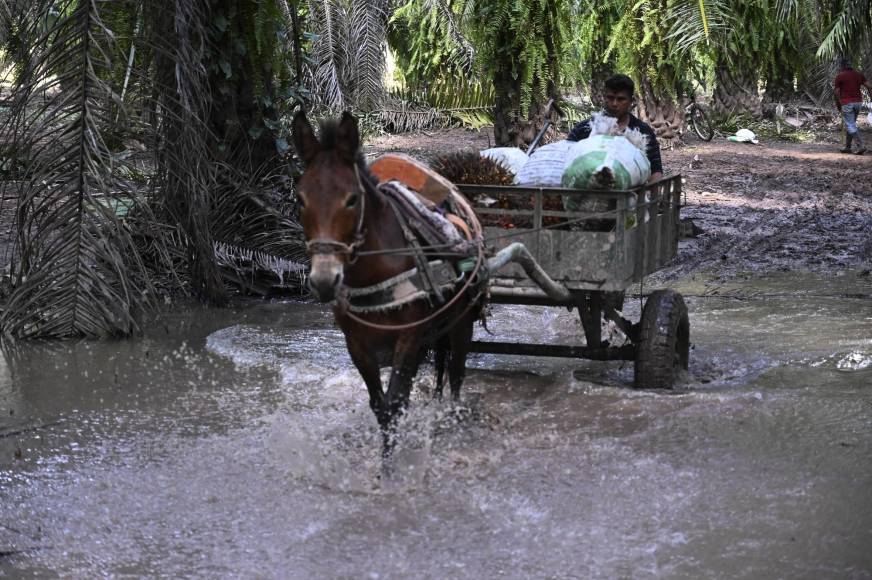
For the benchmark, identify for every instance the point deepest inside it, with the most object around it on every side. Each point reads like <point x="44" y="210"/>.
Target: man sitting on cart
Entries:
<point x="618" y="100"/>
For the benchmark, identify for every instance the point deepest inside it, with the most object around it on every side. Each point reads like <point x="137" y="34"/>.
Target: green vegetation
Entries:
<point x="729" y="51"/>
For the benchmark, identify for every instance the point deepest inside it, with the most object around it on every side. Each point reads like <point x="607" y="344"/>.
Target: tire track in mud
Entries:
<point x="775" y="240"/>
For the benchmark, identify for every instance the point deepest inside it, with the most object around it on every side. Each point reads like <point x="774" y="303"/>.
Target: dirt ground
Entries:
<point x="775" y="206"/>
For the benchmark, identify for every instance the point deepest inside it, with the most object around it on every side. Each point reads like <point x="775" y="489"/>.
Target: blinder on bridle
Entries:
<point x="328" y="246"/>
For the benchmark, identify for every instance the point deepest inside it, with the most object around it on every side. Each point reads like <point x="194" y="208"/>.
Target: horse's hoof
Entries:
<point x="387" y="469"/>
<point x="467" y="410"/>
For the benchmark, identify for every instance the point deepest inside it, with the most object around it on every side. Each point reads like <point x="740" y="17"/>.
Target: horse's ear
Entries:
<point x="348" y="141"/>
<point x="304" y="138"/>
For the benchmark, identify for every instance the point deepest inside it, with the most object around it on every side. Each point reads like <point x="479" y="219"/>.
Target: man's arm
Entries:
<point x="653" y="154"/>
<point x="580" y="131"/>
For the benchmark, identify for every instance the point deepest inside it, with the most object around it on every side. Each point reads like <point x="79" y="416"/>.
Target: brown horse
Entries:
<point x="356" y="240"/>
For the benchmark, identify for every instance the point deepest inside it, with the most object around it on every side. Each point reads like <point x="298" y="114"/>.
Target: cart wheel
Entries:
<point x="664" y="340"/>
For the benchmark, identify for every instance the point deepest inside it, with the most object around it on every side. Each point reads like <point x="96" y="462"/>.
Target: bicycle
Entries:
<point x="696" y="117"/>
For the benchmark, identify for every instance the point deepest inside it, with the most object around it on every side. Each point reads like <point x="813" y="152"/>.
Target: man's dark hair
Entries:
<point x="618" y="83"/>
<point x="844" y="62"/>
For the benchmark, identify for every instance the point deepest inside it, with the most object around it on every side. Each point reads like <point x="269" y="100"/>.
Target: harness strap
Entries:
<point x="401" y="289"/>
<point x="418" y="255"/>
<point x="458" y="223"/>
<point x="431" y="226"/>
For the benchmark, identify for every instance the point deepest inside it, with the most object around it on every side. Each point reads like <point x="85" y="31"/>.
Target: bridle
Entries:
<point x="327" y="246"/>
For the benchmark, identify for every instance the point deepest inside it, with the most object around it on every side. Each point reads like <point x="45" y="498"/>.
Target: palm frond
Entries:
<point x="348" y="52"/>
<point x="259" y="271"/>
<point x="852" y="21"/>
<point x="5" y="22"/>
<point x="247" y="212"/>
<point x="402" y="117"/>
<point x="327" y="22"/>
<point x="368" y="34"/>
<point x="461" y="55"/>
<point x="75" y="269"/>
<point x="446" y="102"/>
<point x="464" y="55"/>
<point x="694" y="22"/>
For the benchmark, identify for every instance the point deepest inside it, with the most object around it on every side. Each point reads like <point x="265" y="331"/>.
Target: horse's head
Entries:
<point x="332" y="198"/>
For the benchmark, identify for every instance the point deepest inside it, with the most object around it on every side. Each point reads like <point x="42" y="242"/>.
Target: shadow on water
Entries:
<point x="240" y="443"/>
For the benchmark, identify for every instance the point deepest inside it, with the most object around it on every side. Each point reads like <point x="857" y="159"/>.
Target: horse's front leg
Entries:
<point x="366" y="361"/>
<point x="440" y="355"/>
<point x="407" y="358"/>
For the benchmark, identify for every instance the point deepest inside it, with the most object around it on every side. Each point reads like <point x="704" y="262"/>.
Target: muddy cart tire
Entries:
<point x="664" y="340"/>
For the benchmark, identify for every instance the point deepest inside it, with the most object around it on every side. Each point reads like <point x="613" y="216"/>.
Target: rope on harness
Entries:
<point x="444" y="308"/>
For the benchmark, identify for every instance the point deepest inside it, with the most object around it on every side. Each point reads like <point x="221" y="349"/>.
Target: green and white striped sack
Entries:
<point x="605" y="162"/>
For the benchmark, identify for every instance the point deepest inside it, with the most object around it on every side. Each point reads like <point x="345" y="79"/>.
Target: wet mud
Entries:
<point x="240" y="444"/>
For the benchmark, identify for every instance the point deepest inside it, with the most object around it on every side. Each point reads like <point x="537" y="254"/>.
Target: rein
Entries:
<point x="433" y="248"/>
<point x="441" y="310"/>
<point x="330" y="246"/>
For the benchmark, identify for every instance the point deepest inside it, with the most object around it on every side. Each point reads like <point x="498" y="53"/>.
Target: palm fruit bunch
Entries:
<point x="471" y="168"/>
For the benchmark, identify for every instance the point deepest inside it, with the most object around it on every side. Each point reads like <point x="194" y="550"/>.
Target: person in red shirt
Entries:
<point x="848" y="85"/>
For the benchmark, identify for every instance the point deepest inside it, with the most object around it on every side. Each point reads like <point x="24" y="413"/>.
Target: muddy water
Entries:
<point x="239" y="444"/>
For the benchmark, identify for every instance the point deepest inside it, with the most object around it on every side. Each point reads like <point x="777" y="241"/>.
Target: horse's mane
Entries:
<point x="329" y="134"/>
<point x="329" y="139"/>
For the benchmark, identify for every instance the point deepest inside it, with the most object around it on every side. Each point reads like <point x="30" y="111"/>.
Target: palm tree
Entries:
<point x="848" y="27"/>
<point x="590" y="55"/>
<point x="646" y="51"/>
<point x="521" y="45"/>
<point x="754" y="42"/>
<point x="96" y="221"/>
<point x="430" y="44"/>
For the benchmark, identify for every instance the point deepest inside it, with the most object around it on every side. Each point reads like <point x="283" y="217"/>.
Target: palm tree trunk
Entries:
<point x="779" y="84"/>
<point x="188" y="172"/>
<point x="736" y="93"/>
<point x="660" y="110"/>
<point x="510" y="128"/>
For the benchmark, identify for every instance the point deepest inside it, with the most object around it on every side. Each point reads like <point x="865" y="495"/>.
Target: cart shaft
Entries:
<point x="625" y="352"/>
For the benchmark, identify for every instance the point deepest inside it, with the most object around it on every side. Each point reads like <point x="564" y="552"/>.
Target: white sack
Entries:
<point x="545" y="166"/>
<point x="605" y="161"/>
<point x="511" y="158"/>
